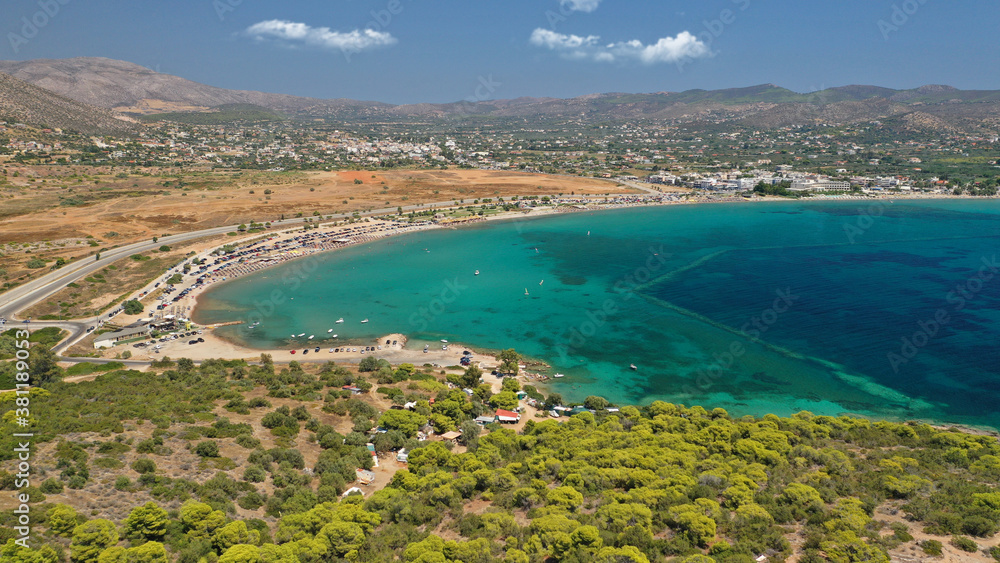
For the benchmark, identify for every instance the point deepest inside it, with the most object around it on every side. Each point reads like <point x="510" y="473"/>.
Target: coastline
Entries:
<point x="219" y="346"/>
<point x="189" y="305"/>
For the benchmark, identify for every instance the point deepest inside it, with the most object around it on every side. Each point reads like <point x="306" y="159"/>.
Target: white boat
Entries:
<point x="311" y="336"/>
<point x="301" y="335"/>
<point x="526" y="291"/>
<point x="632" y="367"/>
<point x="340" y="320"/>
<point x="334" y="336"/>
<point x="477" y="272"/>
<point x="558" y="375"/>
<point x="444" y="341"/>
<point x="364" y="321"/>
<point x="329" y="331"/>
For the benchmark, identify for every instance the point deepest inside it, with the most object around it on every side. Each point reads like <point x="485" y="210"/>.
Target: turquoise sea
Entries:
<point x="881" y="309"/>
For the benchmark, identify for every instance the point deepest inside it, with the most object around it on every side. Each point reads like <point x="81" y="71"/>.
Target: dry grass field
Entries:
<point x="52" y="212"/>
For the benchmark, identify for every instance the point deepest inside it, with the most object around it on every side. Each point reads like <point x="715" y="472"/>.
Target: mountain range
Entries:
<point x="21" y="102"/>
<point x="127" y="88"/>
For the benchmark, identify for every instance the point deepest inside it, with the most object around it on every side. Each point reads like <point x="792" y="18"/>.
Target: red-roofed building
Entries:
<point x="507" y="417"/>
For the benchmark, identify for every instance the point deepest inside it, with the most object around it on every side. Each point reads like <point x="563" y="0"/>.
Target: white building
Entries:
<point x="820" y="186"/>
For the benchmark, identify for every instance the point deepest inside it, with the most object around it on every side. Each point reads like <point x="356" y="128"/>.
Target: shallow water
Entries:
<point x="756" y="308"/>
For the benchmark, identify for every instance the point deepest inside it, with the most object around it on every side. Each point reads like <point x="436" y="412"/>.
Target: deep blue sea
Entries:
<point x="883" y="309"/>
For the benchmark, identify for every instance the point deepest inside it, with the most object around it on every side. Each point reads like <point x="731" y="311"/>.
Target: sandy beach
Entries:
<point x="294" y="243"/>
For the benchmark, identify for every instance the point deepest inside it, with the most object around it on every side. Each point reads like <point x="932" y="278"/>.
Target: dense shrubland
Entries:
<point x="657" y="483"/>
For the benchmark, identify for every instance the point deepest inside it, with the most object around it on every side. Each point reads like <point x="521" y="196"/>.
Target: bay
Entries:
<point x="882" y="309"/>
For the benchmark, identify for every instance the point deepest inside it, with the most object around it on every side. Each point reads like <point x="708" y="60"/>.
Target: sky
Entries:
<point x="413" y="51"/>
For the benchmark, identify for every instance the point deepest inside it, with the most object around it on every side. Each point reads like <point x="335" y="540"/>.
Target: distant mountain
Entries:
<point x="131" y="88"/>
<point x="128" y="87"/>
<point x="31" y="105"/>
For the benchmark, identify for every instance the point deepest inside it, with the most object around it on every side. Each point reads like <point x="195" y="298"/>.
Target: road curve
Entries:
<point x="26" y="295"/>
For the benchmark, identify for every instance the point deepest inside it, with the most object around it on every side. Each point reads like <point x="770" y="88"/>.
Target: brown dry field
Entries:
<point x="55" y="211"/>
<point x="93" y="294"/>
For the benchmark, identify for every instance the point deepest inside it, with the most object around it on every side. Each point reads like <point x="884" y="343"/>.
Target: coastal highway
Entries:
<point x="26" y="295"/>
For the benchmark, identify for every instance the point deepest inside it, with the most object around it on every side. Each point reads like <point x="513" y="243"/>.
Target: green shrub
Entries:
<point x="931" y="547"/>
<point x="964" y="543"/>
<point x="254" y="474"/>
<point x="108" y="463"/>
<point x="247" y="441"/>
<point x="207" y="448"/>
<point x="143" y="466"/>
<point x="51" y="487"/>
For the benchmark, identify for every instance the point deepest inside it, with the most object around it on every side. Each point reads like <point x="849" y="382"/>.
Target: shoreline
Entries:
<point x="190" y="304"/>
<point x="217" y="346"/>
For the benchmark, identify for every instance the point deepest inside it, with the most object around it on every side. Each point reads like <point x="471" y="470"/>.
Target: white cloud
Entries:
<point x="581" y="5"/>
<point x="323" y="37"/>
<point x="666" y="50"/>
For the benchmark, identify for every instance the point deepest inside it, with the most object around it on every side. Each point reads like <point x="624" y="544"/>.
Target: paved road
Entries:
<point x="26" y="295"/>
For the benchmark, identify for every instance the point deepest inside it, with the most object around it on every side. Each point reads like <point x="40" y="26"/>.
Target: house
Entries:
<point x="522" y="395"/>
<point x="484" y="420"/>
<point x="365" y="477"/>
<point x="110" y="339"/>
<point x="354" y="390"/>
<point x="402" y="455"/>
<point x="452" y="436"/>
<point x="507" y="417"/>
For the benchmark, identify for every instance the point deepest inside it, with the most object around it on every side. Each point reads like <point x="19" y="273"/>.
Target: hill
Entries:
<point x="134" y="89"/>
<point x="234" y="462"/>
<point x="29" y="104"/>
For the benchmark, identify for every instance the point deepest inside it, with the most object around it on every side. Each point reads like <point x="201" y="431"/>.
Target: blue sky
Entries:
<point x="447" y="50"/>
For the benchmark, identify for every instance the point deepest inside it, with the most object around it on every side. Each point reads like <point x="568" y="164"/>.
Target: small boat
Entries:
<point x="632" y="367"/>
<point x="477" y="272"/>
<point x="334" y="336"/>
<point x="558" y="375"/>
<point x="340" y="320"/>
<point x="301" y="335"/>
<point x="329" y="331"/>
<point x="311" y="336"/>
<point x="364" y="321"/>
<point x="541" y="282"/>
